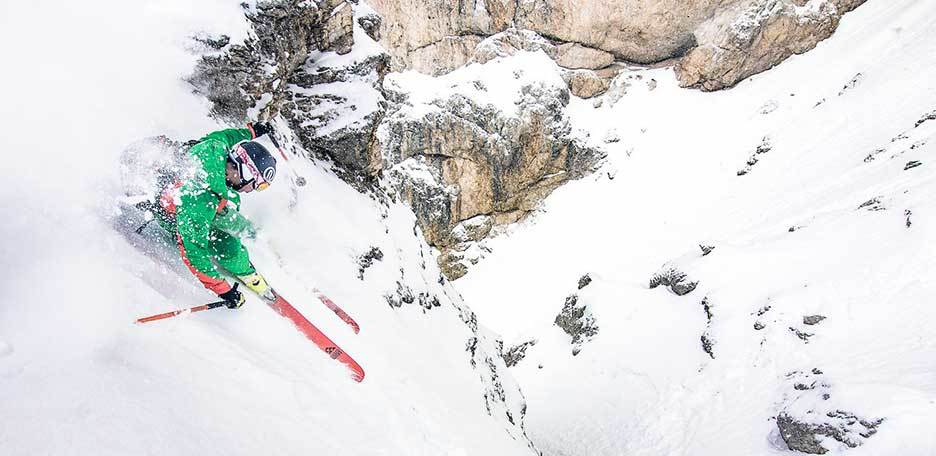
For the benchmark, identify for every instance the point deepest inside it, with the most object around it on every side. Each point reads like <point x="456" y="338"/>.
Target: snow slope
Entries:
<point x="812" y="227"/>
<point x="78" y="377"/>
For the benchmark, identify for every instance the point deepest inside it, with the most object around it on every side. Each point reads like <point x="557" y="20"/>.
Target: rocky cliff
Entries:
<point x="481" y="149"/>
<point x="717" y="42"/>
<point x="316" y="71"/>
<point x="489" y="144"/>
<point x="744" y="41"/>
<point x="492" y="155"/>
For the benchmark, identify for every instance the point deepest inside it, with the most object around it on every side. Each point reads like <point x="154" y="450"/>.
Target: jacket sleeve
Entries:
<point x="194" y="218"/>
<point x="232" y="222"/>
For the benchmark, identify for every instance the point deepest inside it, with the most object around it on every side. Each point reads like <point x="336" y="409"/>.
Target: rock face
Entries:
<point x="718" y="42"/>
<point x="437" y="36"/>
<point x="467" y="160"/>
<point x="298" y="66"/>
<point x="591" y="33"/>
<point x="488" y="166"/>
<point x="315" y="70"/>
<point x="633" y="30"/>
<point x="286" y="33"/>
<point x="734" y="46"/>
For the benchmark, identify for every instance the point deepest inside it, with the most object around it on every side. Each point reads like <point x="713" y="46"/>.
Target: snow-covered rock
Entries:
<point x="716" y="43"/>
<point x="754" y="37"/>
<point x="480" y="147"/>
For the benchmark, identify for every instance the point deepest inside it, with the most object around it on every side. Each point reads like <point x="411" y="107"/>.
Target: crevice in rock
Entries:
<point x="446" y="38"/>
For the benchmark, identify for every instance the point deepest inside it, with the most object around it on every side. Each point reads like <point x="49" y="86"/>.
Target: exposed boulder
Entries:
<point x="370" y="23"/>
<point x="708" y="345"/>
<point x="764" y="147"/>
<point x="574" y="56"/>
<point x="516" y="353"/>
<point x="584" y="281"/>
<point x="812" y="423"/>
<point x="367" y="259"/>
<point x="844" y="427"/>
<point x="577" y="321"/>
<point x="586" y="83"/>
<point x="676" y="280"/>
<point x="813" y="319"/>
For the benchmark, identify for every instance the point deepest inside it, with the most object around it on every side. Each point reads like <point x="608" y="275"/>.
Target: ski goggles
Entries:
<point x="246" y="187"/>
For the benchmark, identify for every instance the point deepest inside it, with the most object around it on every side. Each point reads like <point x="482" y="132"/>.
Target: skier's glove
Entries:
<point x="233" y="298"/>
<point x="258" y="284"/>
<point x="260" y="128"/>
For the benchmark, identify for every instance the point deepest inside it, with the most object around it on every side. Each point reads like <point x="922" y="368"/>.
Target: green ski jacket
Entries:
<point x="208" y="222"/>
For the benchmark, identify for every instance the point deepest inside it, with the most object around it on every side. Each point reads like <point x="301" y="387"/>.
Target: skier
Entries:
<point x="201" y="209"/>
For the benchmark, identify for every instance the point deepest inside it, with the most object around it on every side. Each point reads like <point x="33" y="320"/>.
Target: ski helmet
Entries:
<point x="254" y="164"/>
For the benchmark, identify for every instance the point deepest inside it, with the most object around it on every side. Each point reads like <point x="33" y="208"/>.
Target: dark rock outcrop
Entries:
<point x="577" y="322"/>
<point x="516" y="353"/>
<point x="584" y="281"/>
<point x="675" y="280"/>
<point x="761" y="149"/>
<point x="843" y="426"/>
<point x="811" y="415"/>
<point x="813" y="319"/>
<point x="367" y="260"/>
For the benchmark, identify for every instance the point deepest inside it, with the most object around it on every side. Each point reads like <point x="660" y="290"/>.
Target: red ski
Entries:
<point x="338" y="311"/>
<point x="284" y="308"/>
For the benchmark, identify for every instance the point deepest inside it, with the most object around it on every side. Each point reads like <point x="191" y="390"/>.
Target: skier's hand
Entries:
<point x="233" y="298"/>
<point x="260" y="128"/>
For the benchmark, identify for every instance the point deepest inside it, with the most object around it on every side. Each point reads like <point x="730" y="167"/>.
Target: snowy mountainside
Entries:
<point x="78" y="377"/>
<point x="748" y="272"/>
<point x="803" y="321"/>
